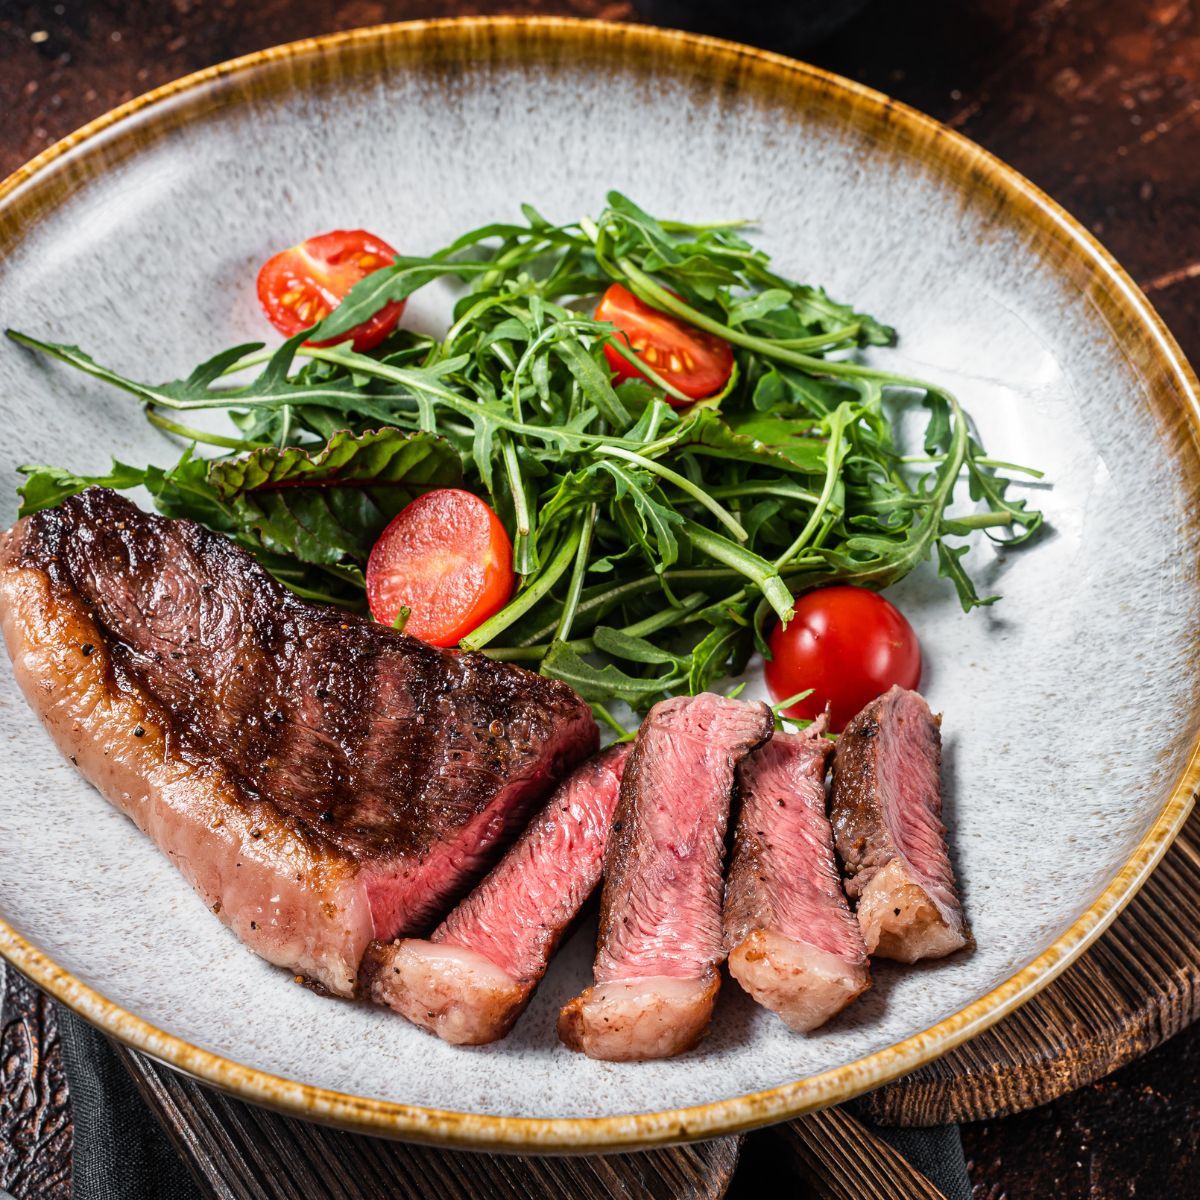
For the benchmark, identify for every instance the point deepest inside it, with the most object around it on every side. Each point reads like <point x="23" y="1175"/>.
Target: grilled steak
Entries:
<point x="319" y="779"/>
<point x="887" y="822"/>
<point x="474" y="976"/>
<point x="793" y="943"/>
<point x="660" y="917"/>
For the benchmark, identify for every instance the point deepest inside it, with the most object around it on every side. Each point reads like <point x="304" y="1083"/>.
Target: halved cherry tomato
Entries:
<point x="697" y="363"/>
<point x="847" y="644"/>
<point x="448" y="558"/>
<point x="304" y="284"/>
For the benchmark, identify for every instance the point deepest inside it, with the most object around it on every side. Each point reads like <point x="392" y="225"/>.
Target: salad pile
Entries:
<point x="633" y="448"/>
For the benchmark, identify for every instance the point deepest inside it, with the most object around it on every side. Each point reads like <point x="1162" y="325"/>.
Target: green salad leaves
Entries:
<point x="655" y="544"/>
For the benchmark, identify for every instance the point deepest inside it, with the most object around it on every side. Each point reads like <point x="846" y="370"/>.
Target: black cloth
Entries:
<point x="120" y="1152"/>
<point x="937" y="1152"/>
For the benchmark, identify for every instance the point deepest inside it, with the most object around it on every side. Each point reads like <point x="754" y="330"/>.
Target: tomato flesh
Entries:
<point x="448" y="558"/>
<point x="305" y="283"/>
<point x="847" y="644"/>
<point x="695" y="362"/>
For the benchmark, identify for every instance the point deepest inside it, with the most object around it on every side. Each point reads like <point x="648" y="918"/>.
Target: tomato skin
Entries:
<point x="849" y="645"/>
<point x="692" y="360"/>
<point x="302" y="285"/>
<point x="447" y="556"/>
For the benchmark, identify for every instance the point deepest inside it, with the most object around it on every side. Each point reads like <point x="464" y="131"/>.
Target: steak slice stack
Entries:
<point x="793" y="943"/>
<point x="660" y="937"/>
<point x="474" y="976"/>
<point x="321" y="780"/>
<point x="887" y="822"/>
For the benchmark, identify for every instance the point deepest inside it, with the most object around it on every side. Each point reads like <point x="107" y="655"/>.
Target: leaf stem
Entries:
<point x="649" y="290"/>
<point x="835" y="453"/>
<point x="527" y="597"/>
<point x="188" y="434"/>
<point x="994" y="464"/>
<point x="984" y="520"/>
<point x="754" y="567"/>
<point x="617" y="342"/>
<point x="524" y="556"/>
<point x="683" y="484"/>
<point x="624" y="591"/>
<point x="567" y="617"/>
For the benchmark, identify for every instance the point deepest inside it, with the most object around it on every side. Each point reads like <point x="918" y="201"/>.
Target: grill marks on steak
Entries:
<point x="660" y="922"/>
<point x="887" y="806"/>
<point x="354" y="734"/>
<point x="793" y="943"/>
<point x="359" y="778"/>
<point x="474" y="976"/>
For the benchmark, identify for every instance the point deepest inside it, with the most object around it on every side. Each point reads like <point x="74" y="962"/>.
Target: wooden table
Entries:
<point x="1097" y="101"/>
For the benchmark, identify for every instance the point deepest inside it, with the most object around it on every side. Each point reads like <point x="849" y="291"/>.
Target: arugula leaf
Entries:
<point x="950" y="567"/>
<point x="179" y="491"/>
<point x="563" y="662"/>
<point x="617" y="501"/>
<point x="324" y="509"/>
<point x="272" y="390"/>
<point x="594" y="382"/>
<point x="721" y="652"/>
<point x="386" y="286"/>
<point x="770" y="439"/>
<point x="646" y="514"/>
<point x="758" y="305"/>
<point x="635" y="649"/>
<point x="47" y="487"/>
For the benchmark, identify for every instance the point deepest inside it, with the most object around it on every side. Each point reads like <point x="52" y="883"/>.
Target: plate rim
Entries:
<point x="1111" y="287"/>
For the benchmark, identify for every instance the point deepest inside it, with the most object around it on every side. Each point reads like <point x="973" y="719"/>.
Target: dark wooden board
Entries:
<point x="841" y="1159"/>
<point x="239" y="1152"/>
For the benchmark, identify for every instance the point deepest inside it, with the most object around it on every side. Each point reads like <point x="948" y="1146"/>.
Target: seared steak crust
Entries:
<point x="660" y="918"/>
<point x="360" y="753"/>
<point x="368" y="740"/>
<point x="886" y="812"/>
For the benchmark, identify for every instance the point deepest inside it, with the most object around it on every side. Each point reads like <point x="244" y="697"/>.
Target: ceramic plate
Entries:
<point x="1070" y="708"/>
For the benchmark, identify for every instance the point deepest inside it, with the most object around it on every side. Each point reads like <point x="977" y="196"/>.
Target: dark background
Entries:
<point x="1097" y="101"/>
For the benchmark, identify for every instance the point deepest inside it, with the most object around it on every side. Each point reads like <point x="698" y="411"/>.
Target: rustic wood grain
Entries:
<point x="841" y="1159"/>
<point x="240" y="1152"/>
<point x="35" y="1119"/>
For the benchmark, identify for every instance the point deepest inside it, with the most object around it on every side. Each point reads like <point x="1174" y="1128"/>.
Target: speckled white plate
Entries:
<point x="1070" y="708"/>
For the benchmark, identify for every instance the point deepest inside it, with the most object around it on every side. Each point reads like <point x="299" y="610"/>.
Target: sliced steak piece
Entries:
<point x="793" y="943"/>
<point x="319" y="779"/>
<point x="887" y="823"/>
<point x="660" y="917"/>
<point x="474" y="976"/>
